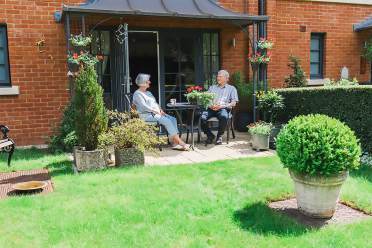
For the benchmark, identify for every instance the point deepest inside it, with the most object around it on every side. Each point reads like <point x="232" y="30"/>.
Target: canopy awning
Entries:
<point x="366" y="24"/>
<point x="193" y="9"/>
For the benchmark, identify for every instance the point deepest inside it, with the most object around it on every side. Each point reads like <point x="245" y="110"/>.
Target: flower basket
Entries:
<point x="196" y="95"/>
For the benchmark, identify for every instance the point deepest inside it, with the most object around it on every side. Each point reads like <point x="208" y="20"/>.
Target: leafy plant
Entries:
<point x="84" y="59"/>
<point x="341" y="82"/>
<point x="261" y="128"/>
<point x="298" y="78"/>
<point x="135" y="133"/>
<point x="260" y="58"/>
<point x="265" y="44"/>
<point x="318" y="145"/>
<point x="65" y="139"/>
<point x="90" y="113"/>
<point x="270" y="102"/>
<point x="117" y="118"/>
<point x="367" y="51"/>
<point x="202" y="98"/>
<point x="80" y="40"/>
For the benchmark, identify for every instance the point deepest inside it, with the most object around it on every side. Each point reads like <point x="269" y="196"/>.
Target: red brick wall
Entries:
<point x="342" y="45"/>
<point x="34" y="113"/>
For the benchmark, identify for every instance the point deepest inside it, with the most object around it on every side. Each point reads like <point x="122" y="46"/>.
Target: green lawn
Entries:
<point x="220" y="204"/>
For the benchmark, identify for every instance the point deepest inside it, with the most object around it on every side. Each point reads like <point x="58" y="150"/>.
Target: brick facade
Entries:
<point x="41" y="77"/>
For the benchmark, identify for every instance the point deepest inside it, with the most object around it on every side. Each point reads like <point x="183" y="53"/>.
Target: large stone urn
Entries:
<point x="129" y="156"/>
<point x="89" y="160"/>
<point x="317" y="196"/>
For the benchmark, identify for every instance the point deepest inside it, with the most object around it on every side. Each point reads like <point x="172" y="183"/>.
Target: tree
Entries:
<point x="90" y="113"/>
<point x="298" y="78"/>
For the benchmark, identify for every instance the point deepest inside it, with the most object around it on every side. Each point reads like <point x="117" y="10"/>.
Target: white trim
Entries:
<point x="315" y="82"/>
<point x="367" y="2"/>
<point x="9" y="91"/>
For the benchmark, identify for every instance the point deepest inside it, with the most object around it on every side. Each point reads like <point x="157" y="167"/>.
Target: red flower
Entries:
<point x="75" y="56"/>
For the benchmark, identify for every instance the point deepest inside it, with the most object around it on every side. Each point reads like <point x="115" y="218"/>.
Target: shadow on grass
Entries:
<point x="261" y="219"/>
<point x="60" y="168"/>
<point x="363" y="172"/>
<point x="26" y="154"/>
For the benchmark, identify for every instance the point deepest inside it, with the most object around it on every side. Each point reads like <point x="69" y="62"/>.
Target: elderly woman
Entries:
<point x="150" y="111"/>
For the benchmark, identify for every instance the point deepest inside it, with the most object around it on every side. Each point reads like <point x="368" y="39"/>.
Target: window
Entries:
<point x="101" y="48"/>
<point x="316" y="55"/>
<point x="4" y="60"/>
<point x="211" y="56"/>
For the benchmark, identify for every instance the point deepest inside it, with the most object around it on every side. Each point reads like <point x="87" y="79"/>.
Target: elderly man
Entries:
<point x="226" y="98"/>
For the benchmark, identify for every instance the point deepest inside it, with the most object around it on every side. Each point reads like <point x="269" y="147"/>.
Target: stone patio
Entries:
<point x="237" y="148"/>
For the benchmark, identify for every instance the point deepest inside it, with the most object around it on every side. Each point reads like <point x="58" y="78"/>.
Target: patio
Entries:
<point x="237" y="148"/>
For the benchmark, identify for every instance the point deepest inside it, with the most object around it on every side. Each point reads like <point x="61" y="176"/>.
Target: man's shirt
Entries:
<point x="224" y="95"/>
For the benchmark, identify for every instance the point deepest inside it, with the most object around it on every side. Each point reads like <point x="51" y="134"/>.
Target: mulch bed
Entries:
<point x="10" y="178"/>
<point x="343" y="214"/>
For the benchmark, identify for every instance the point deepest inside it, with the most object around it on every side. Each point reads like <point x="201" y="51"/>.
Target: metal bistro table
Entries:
<point x="185" y="106"/>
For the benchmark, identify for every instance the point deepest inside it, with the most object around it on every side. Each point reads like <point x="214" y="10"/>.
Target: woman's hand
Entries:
<point x="162" y="112"/>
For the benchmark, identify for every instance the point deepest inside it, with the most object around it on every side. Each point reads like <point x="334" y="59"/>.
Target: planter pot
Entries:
<point x="129" y="156"/>
<point x="242" y="120"/>
<point x="260" y="141"/>
<point x="89" y="160"/>
<point x="317" y="196"/>
<point x="274" y="132"/>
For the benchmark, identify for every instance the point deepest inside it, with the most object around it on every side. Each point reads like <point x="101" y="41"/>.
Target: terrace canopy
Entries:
<point x="181" y="9"/>
<point x="366" y="24"/>
<point x="194" y="9"/>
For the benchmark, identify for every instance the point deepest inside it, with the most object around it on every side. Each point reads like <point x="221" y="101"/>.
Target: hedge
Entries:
<point x="351" y="105"/>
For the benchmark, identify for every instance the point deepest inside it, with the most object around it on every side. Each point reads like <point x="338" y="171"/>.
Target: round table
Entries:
<point x="185" y="106"/>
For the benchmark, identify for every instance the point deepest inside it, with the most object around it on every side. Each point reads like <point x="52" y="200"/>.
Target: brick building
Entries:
<point x="176" y="50"/>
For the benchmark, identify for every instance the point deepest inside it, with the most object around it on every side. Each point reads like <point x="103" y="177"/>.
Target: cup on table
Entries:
<point x="173" y="101"/>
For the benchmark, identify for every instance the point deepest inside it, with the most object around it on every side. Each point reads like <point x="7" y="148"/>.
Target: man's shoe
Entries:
<point x="219" y="140"/>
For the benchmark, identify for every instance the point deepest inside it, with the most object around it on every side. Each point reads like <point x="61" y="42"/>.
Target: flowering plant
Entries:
<point x="194" y="88"/>
<point x="82" y="59"/>
<point x="80" y="40"/>
<point x="261" y="128"/>
<point x="259" y="58"/>
<point x="265" y="44"/>
<point x="197" y="95"/>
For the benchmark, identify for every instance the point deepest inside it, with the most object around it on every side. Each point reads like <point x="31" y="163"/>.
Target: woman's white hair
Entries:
<point x="224" y="73"/>
<point x="142" y="79"/>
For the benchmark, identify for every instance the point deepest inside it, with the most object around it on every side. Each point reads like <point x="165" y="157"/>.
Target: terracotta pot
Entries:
<point x="89" y="160"/>
<point x="317" y="196"/>
<point x="129" y="156"/>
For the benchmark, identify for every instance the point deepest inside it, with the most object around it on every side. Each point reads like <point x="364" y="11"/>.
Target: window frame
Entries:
<point x="210" y="56"/>
<point x="320" y="37"/>
<point x="7" y="81"/>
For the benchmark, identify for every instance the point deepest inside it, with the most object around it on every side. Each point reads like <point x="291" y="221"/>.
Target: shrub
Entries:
<point x="90" y="114"/>
<point x="245" y="91"/>
<point x="261" y="128"/>
<point x="351" y="105"/>
<point x="66" y="138"/>
<point x="270" y="103"/>
<point x="318" y="145"/>
<point x="341" y="82"/>
<point x="135" y="133"/>
<point x="298" y="78"/>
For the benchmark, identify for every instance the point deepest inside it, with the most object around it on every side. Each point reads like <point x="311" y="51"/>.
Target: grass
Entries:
<point x="220" y="204"/>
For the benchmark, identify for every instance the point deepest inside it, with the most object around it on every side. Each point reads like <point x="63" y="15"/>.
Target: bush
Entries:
<point x="351" y="105"/>
<point x="318" y="145"/>
<point x="298" y="78"/>
<point x="341" y="82"/>
<point x="135" y="133"/>
<point x="66" y="138"/>
<point x="270" y="103"/>
<point x="245" y="91"/>
<point x="90" y="113"/>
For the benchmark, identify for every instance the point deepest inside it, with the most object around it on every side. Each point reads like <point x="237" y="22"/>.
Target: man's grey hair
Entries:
<point x="224" y="73"/>
<point x="142" y="79"/>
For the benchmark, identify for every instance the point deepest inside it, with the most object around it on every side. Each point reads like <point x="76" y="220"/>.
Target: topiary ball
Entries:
<point x="318" y="145"/>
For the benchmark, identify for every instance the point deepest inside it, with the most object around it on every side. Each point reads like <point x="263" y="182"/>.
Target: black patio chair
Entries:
<point x="229" y="126"/>
<point x="7" y="145"/>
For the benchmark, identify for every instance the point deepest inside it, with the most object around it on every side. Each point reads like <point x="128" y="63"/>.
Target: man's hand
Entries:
<point x="216" y="107"/>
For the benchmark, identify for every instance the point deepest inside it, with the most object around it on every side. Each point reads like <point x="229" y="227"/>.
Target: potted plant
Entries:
<point x="260" y="133"/>
<point x="318" y="151"/>
<point x="130" y="140"/>
<point x="90" y="120"/>
<point x="263" y="53"/>
<point x="270" y="102"/>
<point x="244" y="111"/>
<point x="197" y="95"/>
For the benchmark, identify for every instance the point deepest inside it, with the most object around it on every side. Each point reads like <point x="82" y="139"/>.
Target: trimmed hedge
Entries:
<point x="351" y="105"/>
